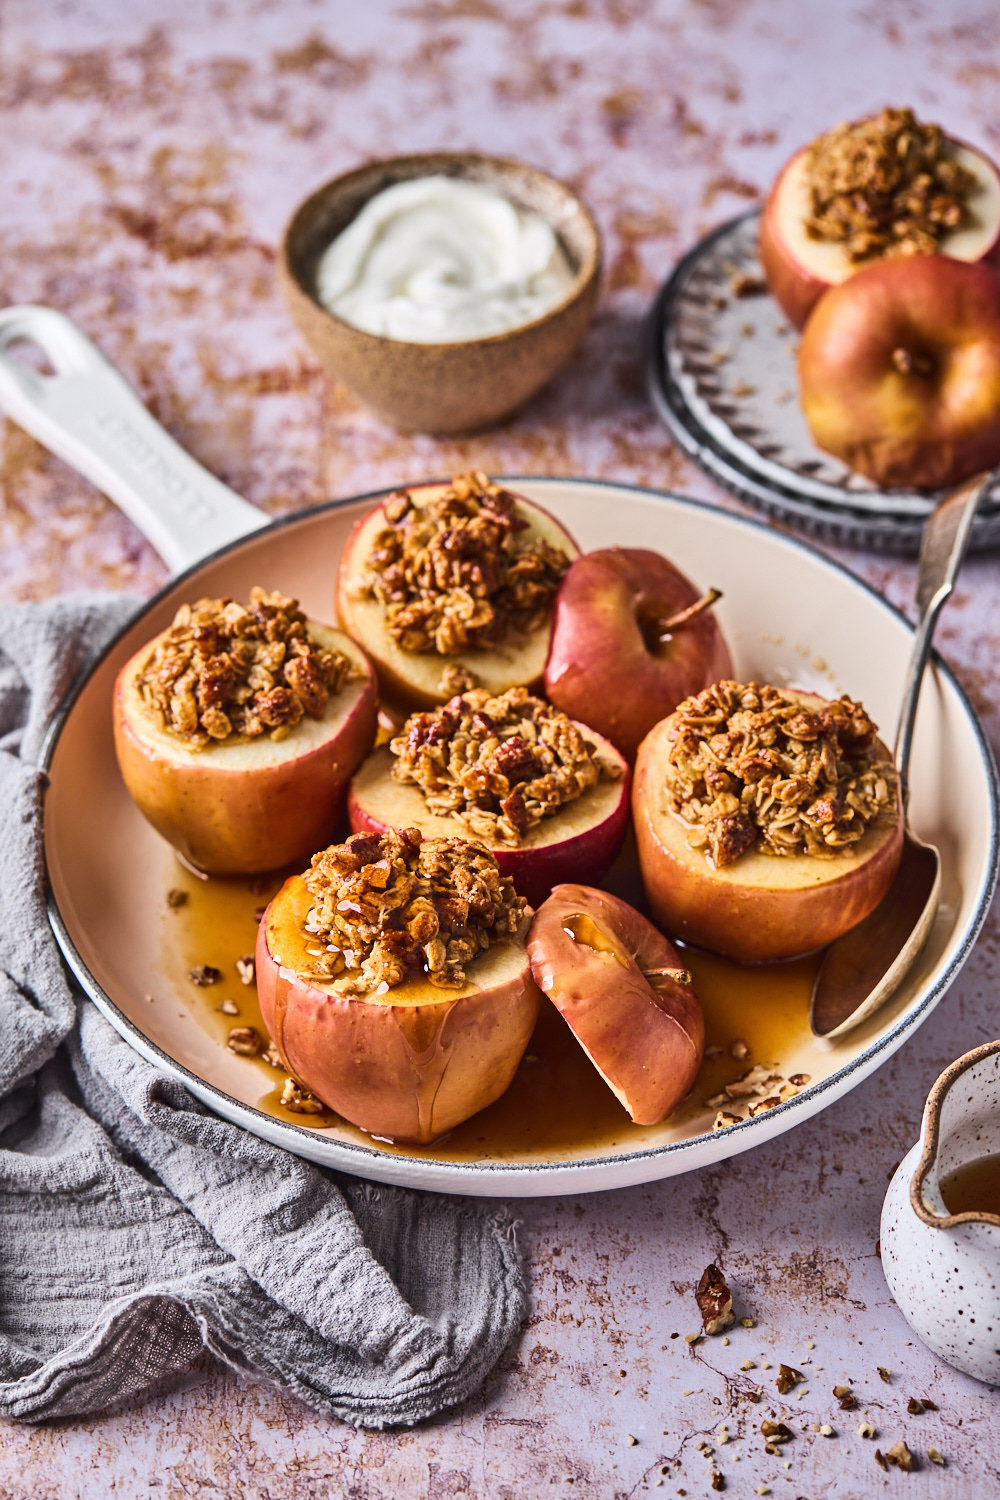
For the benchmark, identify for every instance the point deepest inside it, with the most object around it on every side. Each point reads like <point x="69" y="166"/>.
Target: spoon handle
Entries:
<point x="942" y="549"/>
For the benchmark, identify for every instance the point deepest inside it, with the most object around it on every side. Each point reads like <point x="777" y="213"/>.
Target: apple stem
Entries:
<point x="679" y="976"/>
<point x="683" y="616"/>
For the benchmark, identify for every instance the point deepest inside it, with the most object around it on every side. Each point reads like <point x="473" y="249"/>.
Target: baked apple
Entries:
<point x="548" y="797"/>
<point x="899" y="371"/>
<point x="394" y="981"/>
<point x="767" y="822"/>
<point x="624" y="993"/>
<point x="238" y="729"/>
<point x="449" y="587"/>
<point x="631" y="637"/>
<point x="887" y="186"/>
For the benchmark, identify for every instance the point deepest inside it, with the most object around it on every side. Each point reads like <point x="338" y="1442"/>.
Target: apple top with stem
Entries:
<point x="631" y="638"/>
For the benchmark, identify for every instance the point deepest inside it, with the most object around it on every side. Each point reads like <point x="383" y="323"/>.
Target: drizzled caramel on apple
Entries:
<point x="583" y="929"/>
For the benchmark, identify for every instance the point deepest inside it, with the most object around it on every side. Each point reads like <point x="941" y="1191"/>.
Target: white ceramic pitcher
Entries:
<point x="942" y="1268"/>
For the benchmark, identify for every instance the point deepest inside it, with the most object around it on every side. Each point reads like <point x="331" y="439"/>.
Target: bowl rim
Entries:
<point x="587" y="274"/>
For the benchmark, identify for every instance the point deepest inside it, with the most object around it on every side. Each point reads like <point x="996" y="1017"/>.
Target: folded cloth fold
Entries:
<point x="136" y="1228"/>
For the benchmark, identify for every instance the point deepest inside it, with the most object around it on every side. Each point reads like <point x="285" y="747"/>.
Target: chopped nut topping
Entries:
<point x="881" y="1460"/>
<point x="499" y="765"/>
<point x="715" y="1301"/>
<point x="848" y="1402"/>
<point x="245" y="1041"/>
<point x="915" y="1408"/>
<point x="176" y="899"/>
<point x="273" y="1057"/>
<point x="386" y="908"/>
<point x="225" y="670"/>
<point x="718" y="1480"/>
<point x="884" y="1374"/>
<point x="246" y="968"/>
<point x="454" y="573"/>
<point x="752" y="767"/>
<point x="841" y="1390"/>
<point x="866" y="1430"/>
<point x="299" y="1100"/>
<point x="885" y="186"/>
<point x="776" y="1432"/>
<point x="935" y="1457"/>
<point x="229" y="1008"/>
<point x="204" y="975"/>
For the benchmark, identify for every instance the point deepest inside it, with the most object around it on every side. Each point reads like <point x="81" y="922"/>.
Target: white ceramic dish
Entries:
<point x="790" y="616"/>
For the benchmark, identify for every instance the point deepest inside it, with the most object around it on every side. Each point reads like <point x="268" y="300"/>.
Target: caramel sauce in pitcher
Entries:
<point x="557" y="1102"/>
<point x="974" y="1187"/>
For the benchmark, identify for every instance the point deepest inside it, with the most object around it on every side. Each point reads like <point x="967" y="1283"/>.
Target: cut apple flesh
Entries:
<point x="243" y="806"/>
<point x="623" y="991"/>
<point x="582" y="839"/>
<point x="408" y="1064"/>
<point x="414" y="679"/>
<point x="799" y="268"/>
<point x="763" y="906"/>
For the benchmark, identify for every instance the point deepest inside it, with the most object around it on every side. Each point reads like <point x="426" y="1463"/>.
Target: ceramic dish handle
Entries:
<point x="87" y="414"/>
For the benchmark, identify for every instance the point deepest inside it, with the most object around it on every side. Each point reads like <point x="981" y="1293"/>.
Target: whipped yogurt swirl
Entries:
<point x="438" y="259"/>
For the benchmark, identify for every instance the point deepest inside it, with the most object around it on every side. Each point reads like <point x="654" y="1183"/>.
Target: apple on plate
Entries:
<point x="762" y="906"/>
<point x="899" y="371"/>
<point x="631" y="638"/>
<point x="800" y="268"/>
<point x="581" y="839"/>
<point x="408" y="1064"/>
<point x="625" y="994"/>
<point x="246" y="806"/>
<point x="413" y="679"/>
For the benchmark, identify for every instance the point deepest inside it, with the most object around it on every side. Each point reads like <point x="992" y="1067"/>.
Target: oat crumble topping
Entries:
<point x="885" y="186"/>
<point x="391" y="907"/>
<point x="455" y="575"/>
<point x="498" y="764"/>
<point x="752" y="767"/>
<point x="225" y="669"/>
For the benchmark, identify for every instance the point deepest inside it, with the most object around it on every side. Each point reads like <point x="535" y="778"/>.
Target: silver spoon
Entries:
<point x="861" y="969"/>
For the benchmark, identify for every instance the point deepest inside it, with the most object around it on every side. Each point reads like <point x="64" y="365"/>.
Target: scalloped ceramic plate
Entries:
<point x="789" y="615"/>
<point x="722" y="376"/>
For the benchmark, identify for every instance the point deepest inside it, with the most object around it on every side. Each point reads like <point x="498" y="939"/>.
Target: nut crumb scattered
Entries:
<point x="715" y="1301"/>
<point x="718" y="1480"/>
<point x="841" y="1390"/>
<point x="935" y="1457"/>
<point x="693" y="1338"/>
<point x="881" y="1460"/>
<point x="747" y="1323"/>
<point x="826" y="1430"/>
<point x="848" y="1402"/>
<point x="900" y="1457"/>
<point x="866" y="1430"/>
<point x="745" y="285"/>
<point x="229" y="1008"/>
<point x="884" y="1374"/>
<point x="747" y="1364"/>
<point x="204" y="975"/>
<point x="176" y="898"/>
<point x="739" y="1050"/>
<point x="725" y="1341"/>
<point x="713" y="1052"/>
<point x="246" y="968"/>
<point x="928" y="1404"/>
<point x="273" y="1057"/>
<point x="914" y="1407"/>
<point x="245" y="1041"/>
<point x="788" y="1378"/>
<point x="299" y="1100"/>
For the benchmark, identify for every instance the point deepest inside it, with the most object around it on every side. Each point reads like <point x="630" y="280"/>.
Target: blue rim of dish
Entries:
<point x="764" y="1123"/>
<point x="836" y="521"/>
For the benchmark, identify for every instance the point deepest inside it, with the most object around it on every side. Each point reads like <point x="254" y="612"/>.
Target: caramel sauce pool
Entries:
<point x="973" y="1188"/>
<point x="557" y="1102"/>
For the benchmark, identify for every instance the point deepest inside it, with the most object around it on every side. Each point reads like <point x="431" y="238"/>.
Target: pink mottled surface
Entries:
<point x="149" y="157"/>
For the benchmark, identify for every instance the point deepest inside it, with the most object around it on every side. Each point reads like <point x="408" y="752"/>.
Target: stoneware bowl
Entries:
<point x="942" y="1268"/>
<point x="442" y="388"/>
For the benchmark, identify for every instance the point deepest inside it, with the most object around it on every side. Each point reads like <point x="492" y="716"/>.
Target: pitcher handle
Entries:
<point x="87" y="414"/>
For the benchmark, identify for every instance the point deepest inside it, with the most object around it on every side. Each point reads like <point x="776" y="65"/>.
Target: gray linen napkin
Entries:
<point x="136" y="1228"/>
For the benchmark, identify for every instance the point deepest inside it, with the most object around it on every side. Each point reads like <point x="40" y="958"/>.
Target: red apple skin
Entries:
<point x="555" y="849"/>
<point x="762" y="907"/>
<point x="228" y="818"/>
<point x="928" y="429"/>
<point x="412" y="680"/>
<point x="646" y="1042"/>
<point x="400" y="1070"/>
<point x="600" y="669"/>
<point x="796" y="288"/>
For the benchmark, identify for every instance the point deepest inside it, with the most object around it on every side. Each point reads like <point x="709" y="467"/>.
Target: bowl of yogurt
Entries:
<point x="443" y="289"/>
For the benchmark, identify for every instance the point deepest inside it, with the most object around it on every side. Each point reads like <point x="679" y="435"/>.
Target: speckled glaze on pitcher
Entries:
<point x="942" y="1268"/>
